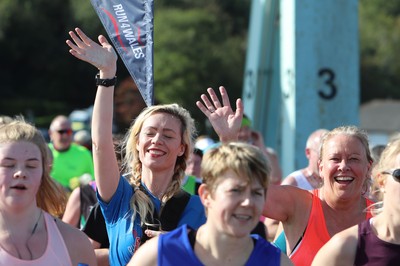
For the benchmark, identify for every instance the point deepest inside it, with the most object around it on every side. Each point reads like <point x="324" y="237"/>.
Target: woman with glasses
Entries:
<point x="375" y="241"/>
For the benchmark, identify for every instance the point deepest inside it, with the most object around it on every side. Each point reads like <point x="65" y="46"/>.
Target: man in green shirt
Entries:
<point x="70" y="161"/>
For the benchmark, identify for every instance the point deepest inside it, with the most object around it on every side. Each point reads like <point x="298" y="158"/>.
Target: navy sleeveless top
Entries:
<point x="174" y="248"/>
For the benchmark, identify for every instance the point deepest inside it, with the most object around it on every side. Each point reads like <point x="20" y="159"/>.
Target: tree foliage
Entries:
<point x="379" y="47"/>
<point x="194" y="50"/>
<point x="197" y="44"/>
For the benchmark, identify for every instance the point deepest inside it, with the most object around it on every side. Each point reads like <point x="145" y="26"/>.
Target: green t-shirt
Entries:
<point x="190" y="184"/>
<point x="74" y="162"/>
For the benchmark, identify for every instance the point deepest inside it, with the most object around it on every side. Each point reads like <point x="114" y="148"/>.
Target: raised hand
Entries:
<point x="224" y="120"/>
<point x="101" y="56"/>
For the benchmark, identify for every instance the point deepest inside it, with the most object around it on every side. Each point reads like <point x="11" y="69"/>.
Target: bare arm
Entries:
<point x="101" y="253"/>
<point x="72" y="210"/>
<point x="146" y="255"/>
<point x="339" y="250"/>
<point x="104" y="58"/>
<point x="280" y="203"/>
<point x="79" y="247"/>
<point x="102" y="256"/>
<point x="291" y="206"/>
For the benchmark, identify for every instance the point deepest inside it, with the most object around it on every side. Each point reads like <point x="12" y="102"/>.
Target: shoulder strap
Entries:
<point x="170" y="213"/>
<point x="173" y="209"/>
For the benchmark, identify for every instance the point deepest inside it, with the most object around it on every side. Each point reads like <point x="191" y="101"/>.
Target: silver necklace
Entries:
<point x="26" y="242"/>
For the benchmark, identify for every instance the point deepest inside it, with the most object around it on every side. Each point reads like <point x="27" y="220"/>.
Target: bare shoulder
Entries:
<point x="78" y="244"/>
<point x="340" y="249"/>
<point x="147" y="254"/>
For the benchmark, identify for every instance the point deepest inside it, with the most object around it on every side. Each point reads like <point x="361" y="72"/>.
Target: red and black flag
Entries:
<point x="129" y="25"/>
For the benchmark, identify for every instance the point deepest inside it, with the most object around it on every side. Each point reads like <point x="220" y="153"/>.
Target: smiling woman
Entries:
<point x="374" y="241"/>
<point x="156" y="147"/>
<point x="345" y="166"/>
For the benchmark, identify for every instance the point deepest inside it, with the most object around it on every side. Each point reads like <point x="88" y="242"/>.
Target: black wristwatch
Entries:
<point x="105" y="82"/>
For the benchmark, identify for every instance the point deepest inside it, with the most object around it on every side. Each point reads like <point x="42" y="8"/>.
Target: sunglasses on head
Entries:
<point x="64" y="131"/>
<point x="395" y="173"/>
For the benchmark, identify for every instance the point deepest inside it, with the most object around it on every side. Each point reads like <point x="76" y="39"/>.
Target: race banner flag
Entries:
<point x="129" y="25"/>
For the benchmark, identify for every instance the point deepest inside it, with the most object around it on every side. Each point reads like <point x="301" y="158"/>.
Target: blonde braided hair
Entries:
<point x="140" y="203"/>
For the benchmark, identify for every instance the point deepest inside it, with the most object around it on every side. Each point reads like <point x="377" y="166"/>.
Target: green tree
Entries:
<point x="196" y="48"/>
<point x="379" y="46"/>
<point x="197" y="44"/>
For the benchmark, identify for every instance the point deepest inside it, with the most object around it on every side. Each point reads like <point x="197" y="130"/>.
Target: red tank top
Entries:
<point x="316" y="234"/>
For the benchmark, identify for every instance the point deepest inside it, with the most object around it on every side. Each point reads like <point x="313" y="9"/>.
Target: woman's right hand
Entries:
<point x="102" y="56"/>
<point x="224" y="120"/>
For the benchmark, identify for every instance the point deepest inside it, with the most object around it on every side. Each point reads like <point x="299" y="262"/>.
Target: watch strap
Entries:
<point x="105" y="82"/>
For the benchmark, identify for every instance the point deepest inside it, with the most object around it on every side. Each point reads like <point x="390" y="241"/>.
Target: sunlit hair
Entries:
<point x="351" y="131"/>
<point x="4" y="119"/>
<point x="387" y="162"/>
<point x="141" y="203"/>
<point x="50" y="197"/>
<point x="246" y="160"/>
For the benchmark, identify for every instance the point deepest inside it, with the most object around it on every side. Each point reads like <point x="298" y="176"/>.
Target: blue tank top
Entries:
<point x="174" y="248"/>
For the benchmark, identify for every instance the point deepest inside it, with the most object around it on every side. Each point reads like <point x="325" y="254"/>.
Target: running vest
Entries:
<point x="315" y="235"/>
<point x="170" y="214"/>
<point x="56" y="252"/>
<point x="175" y="248"/>
<point x="373" y="251"/>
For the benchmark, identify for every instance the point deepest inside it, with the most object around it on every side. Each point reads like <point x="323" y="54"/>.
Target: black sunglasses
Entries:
<point x="65" y="131"/>
<point x="395" y="173"/>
